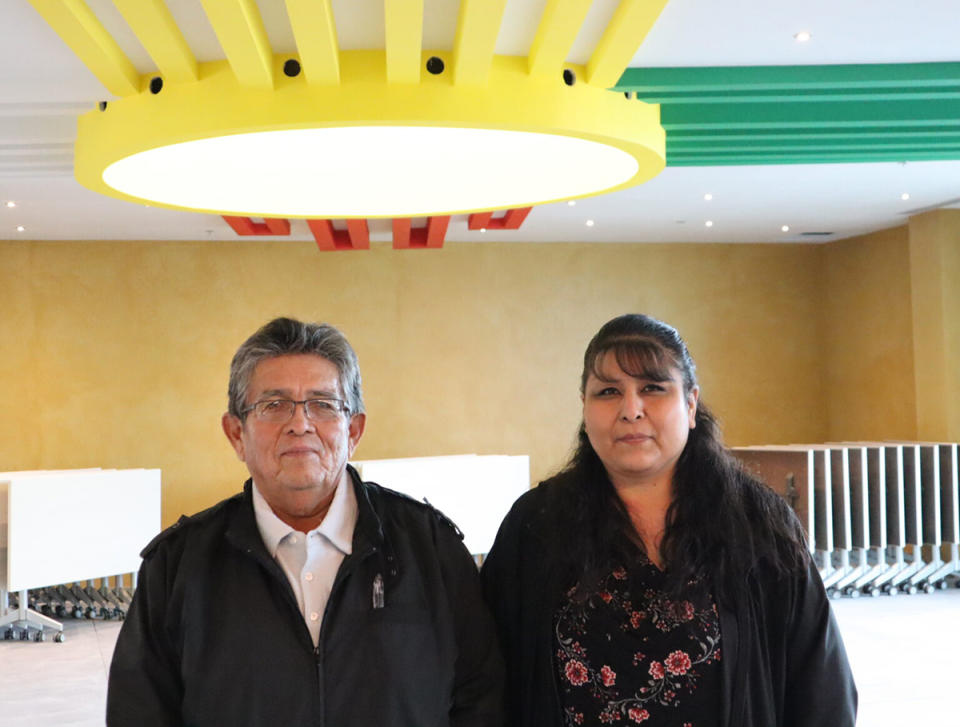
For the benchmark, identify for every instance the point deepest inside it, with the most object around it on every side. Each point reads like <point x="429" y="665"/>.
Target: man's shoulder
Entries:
<point x="212" y="517"/>
<point x="403" y="505"/>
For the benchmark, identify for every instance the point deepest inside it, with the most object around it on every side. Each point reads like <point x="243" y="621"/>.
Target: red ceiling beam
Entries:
<point x="355" y="237"/>
<point x="429" y="237"/>
<point x="244" y="226"/>
<point x="511" y="220"/>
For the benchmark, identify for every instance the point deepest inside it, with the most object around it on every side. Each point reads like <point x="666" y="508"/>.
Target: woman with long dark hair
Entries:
<point x="653" y="581"/>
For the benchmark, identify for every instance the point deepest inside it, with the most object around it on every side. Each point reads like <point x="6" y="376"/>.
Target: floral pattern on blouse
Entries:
<point x="638" y="658"/>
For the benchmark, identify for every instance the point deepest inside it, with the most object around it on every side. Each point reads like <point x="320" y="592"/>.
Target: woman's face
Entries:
<point x="637" y="426"/>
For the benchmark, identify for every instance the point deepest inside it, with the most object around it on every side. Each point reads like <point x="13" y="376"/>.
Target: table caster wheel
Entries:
<point x="91" y="613"/>
<point x="909" y="589"/>
<point x="833" y="594"/>
<point x="942" y="585"/>
<point x="929" y="588"/>
<point x="78" y="613"/>
<point x="60" y="638"/>
<point x="25" y="635"/>
<point x="40" y="636"/>
<point x="890" y="590"/>
<point x="873" y="592"/>
<point x="8" y="635"/>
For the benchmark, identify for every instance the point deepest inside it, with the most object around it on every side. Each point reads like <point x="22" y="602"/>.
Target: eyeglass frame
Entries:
<point x="342" y="408"/>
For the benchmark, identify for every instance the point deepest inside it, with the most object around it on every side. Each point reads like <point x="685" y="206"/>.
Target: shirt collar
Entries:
<point x="337" y="525"/>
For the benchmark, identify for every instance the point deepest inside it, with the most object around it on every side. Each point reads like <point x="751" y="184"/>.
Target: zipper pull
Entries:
<point x="378" y="597"/>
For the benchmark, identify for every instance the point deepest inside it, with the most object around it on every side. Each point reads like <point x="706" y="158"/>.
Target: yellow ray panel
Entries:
<point x="629" y="26"/>
<point x="158" y="31"/>
<point x="558" y="29"/>
<point x="243" y="38"/>
<point x="403" y="23"/>
<point x="476" y="40"/>
<point x="79" y="28"/>
<point x="316" y="35"/>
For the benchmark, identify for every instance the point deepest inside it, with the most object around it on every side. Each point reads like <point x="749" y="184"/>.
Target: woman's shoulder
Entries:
<point x="537" y="507"/>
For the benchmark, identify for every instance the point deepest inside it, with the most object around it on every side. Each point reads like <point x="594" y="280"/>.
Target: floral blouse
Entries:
<point x="627" y="657"/>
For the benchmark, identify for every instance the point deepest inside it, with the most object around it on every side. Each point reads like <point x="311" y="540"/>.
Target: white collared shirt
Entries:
<point x="310" y="560"/>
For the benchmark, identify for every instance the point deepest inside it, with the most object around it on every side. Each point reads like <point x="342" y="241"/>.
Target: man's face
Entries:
<point x="296" y="464"/>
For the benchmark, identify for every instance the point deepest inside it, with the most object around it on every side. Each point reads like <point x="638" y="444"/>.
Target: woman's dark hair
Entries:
<point x="722" y="522"/>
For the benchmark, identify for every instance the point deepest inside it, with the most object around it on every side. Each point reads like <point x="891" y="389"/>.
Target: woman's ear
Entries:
<point x="692" y="398"/>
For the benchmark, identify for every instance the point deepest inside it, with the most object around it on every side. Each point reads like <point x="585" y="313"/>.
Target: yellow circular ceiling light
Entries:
<point x="365" y="147"/>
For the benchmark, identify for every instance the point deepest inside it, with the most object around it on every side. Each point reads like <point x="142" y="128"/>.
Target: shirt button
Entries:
<point x="308" y="576"/>
<point x="314" y="616"/>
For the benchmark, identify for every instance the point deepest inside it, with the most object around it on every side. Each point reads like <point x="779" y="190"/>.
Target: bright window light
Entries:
<point x="370" y="171"/>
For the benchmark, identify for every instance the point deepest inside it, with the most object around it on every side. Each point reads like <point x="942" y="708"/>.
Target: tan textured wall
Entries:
<point x="867" y="337"/>
<point x="934" y="239"/>
<point x="951" y="305"/>
<point x="116" y="353"/>
<point x="19" y="398"/>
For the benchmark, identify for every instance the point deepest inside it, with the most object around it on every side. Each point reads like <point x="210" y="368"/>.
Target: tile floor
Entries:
<point x="904" y="650"/>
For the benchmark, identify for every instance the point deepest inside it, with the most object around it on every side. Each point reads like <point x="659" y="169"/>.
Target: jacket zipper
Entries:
<point x="317" y="653"/>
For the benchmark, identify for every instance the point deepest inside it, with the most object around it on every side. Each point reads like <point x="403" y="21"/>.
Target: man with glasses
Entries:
<point x="311" y="598"/>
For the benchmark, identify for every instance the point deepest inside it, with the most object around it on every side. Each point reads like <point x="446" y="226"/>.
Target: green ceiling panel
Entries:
<point x="804" y="114"/>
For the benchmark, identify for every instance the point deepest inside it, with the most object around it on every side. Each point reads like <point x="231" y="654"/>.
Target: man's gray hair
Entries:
<point x="287" y="336"/>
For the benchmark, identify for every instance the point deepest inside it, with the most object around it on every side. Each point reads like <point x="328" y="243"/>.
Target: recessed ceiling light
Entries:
<point x="708" y="196"/>
<point x="803" y="36"/>
<point x="905" y="196"/>
<point x="11" y="204"/>
<point x="20" y="228"/>
<point x="589" y="223"/>
<point x="571" y="203"/>
<point x="785" y="228"/>
<point x="709" y="223"/>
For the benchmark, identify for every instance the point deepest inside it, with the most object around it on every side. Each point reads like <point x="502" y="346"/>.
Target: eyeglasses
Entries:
<point x="277" y="411"/>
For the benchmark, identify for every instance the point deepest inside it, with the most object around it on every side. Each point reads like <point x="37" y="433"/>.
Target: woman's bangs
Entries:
<point x="641" y="359"/>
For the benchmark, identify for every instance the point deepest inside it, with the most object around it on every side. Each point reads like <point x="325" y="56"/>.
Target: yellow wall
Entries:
<point x="934" y="244"/>
<point x="950" y="279"/>
<point x="867" y="337"/>
<point x="116" y="353"/>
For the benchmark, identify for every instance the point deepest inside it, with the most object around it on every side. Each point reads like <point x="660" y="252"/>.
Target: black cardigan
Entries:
<point x="783" y="662"/>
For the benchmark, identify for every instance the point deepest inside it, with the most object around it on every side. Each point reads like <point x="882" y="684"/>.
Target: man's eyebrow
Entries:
<point x="312" y="393"/>
<point x="275" y="392"/>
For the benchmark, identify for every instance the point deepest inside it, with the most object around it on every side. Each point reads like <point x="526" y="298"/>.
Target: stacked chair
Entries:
<point x="880" y="517"/>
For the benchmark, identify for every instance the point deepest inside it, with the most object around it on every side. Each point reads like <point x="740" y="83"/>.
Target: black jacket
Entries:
<point x="214" y="635"/>
<point x="783" y="662"/>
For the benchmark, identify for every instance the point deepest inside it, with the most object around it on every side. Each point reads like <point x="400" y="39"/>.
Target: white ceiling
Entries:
<point x="43" y="87"/>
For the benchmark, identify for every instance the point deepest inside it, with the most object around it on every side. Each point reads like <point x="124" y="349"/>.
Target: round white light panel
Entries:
<point x="370" y="171"/>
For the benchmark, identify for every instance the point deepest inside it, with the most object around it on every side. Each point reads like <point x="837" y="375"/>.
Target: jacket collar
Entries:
<point x="243" y="533"/>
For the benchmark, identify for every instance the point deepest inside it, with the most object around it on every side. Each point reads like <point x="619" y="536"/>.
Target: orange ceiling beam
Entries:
<point x="355" y="237"/>
<point x="510" y="221"/>
<point x="244" y="226"/>
<point x="406" y="237"/>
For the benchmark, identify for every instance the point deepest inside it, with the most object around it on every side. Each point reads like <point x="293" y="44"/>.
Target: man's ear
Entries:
<point x="233" y="427"/>
<point x="355" y="429"/>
